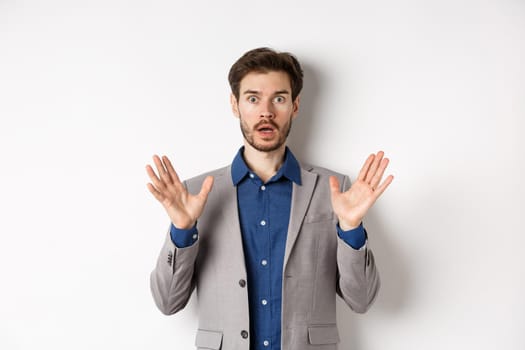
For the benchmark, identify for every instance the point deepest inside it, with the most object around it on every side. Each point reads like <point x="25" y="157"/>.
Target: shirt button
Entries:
<point x="252" y="176"/>
<point x="242" y="283"/>
<point x="263" y="187"/>
<point x="194" y="236"/>
<point x="263" y="223"/>
<point x="244" y="334"/>
<point x="264" y="301"/>
<point x="264" y="262"/>
<point x="266" y="343"/>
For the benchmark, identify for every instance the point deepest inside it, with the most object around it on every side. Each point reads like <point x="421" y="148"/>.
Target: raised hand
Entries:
<point x="182" y="207"/>
<point x="351" y="206"/>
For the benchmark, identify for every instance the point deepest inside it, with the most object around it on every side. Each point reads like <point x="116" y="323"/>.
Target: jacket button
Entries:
<point x="244" y="334"/>
<point x="242" y="283"/>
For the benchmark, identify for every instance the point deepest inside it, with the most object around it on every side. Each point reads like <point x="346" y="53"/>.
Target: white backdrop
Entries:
<point x="90" y="90"/>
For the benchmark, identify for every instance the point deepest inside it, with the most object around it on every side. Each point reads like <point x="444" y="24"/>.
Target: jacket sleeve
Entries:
<point x="358" y="278"/>
<point x="172" y="281"/>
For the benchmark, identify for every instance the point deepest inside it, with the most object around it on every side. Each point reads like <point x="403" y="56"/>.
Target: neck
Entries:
<point x="264" y="164"/>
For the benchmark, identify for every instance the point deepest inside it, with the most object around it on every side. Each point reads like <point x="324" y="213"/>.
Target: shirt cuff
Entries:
<point x="356" y="238"/>
<point x="183" y="238"/>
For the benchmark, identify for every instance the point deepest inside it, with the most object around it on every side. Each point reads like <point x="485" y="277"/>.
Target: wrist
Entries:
<point x="348" y="225"/>
<point x="183" y="225"/>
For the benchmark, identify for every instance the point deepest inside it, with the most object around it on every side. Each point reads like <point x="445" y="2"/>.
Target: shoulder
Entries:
<point x="321" y="171"/>
<point x="219" y="175"/>
<point x="323" y="174"/>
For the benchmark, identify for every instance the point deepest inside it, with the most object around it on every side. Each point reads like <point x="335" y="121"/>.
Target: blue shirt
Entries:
<point x="264" y="213"/>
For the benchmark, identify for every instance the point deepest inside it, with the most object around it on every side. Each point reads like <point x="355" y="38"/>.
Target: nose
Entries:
<point x="268" y="110"/>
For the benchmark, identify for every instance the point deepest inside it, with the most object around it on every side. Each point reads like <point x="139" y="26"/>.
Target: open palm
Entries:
<point x="351" y="206"/>
<point x="182" y="207"/>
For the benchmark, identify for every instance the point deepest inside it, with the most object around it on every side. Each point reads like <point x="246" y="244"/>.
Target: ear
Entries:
<point x="234" y="105"/>
<point x="295" y="107"/>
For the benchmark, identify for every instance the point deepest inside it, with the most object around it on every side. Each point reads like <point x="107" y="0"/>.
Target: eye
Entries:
<point x="279" y="99"/>
<point x="252" y="99"/>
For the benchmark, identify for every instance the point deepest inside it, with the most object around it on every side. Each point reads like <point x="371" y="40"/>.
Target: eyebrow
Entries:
<point x="255" y="92"/>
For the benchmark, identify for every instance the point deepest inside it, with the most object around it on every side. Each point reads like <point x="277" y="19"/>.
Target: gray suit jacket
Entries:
<point x="317" y="265"/>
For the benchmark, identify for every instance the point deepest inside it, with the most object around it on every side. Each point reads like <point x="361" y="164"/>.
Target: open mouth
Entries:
<point x="265" y="129"/>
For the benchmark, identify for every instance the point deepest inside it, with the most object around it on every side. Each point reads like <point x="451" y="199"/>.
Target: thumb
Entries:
<point x="334" y="186"/>
<point x="206" y="187"/>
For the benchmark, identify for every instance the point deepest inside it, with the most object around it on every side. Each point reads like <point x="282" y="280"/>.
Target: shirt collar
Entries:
<point x="289" y="169"/>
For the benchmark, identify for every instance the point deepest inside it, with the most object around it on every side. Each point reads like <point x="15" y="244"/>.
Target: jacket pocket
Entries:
<point x="318" y="217"/>
<point x="323" y="334"/>
<point x="208" y="339"/>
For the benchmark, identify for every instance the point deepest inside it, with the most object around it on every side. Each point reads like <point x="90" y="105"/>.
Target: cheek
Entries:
<point x="284" y="110"/>
<point x="247" y="108"/>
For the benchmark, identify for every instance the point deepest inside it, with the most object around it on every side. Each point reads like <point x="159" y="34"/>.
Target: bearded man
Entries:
<point x="266" y="242"/>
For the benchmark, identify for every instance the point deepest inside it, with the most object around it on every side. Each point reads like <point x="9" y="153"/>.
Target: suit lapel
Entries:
<point x="301" y="196"/>
<point x="230" y="212"/>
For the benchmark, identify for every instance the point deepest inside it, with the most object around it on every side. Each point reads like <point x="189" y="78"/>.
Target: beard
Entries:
<point x="282" y="135"/>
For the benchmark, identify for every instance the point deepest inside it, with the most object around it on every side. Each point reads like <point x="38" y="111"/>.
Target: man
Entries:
<point x="267" y="242"/>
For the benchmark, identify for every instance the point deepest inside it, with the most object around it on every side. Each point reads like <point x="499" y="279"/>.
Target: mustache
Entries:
<point x="266" y="122"/>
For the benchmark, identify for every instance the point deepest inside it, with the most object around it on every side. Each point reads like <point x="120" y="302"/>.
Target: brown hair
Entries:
<point x="264" y="60"/>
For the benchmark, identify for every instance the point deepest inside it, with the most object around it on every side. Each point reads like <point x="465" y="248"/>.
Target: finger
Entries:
<point x="366" y="166"/>
<point x="171" y="170"/>
<point x="373" y="168"/>
<point x="163" y="173"/>
<point x="154" y="178"/>
<point x="379" y="174"/>
<point x="155" y="193"/>
<point x="206" y="187"/>
<point x="379" y="191"/>
<point x="334" y="186"/>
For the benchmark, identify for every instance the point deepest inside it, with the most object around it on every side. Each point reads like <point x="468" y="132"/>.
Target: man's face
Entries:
<point x="265" y="109"/>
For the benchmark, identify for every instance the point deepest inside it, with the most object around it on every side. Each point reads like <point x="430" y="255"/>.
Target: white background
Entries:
<point x="90" y="90"/>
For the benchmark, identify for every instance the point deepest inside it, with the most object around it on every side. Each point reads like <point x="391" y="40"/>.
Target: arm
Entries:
<point x="172" y="279"/>
<point x="358" y="278"/>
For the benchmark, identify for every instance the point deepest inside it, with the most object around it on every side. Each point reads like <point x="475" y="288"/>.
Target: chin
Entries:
<point x="267" y="147"/>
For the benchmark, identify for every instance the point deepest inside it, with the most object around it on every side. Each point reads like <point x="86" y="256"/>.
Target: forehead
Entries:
<point x="266" y="82"/>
